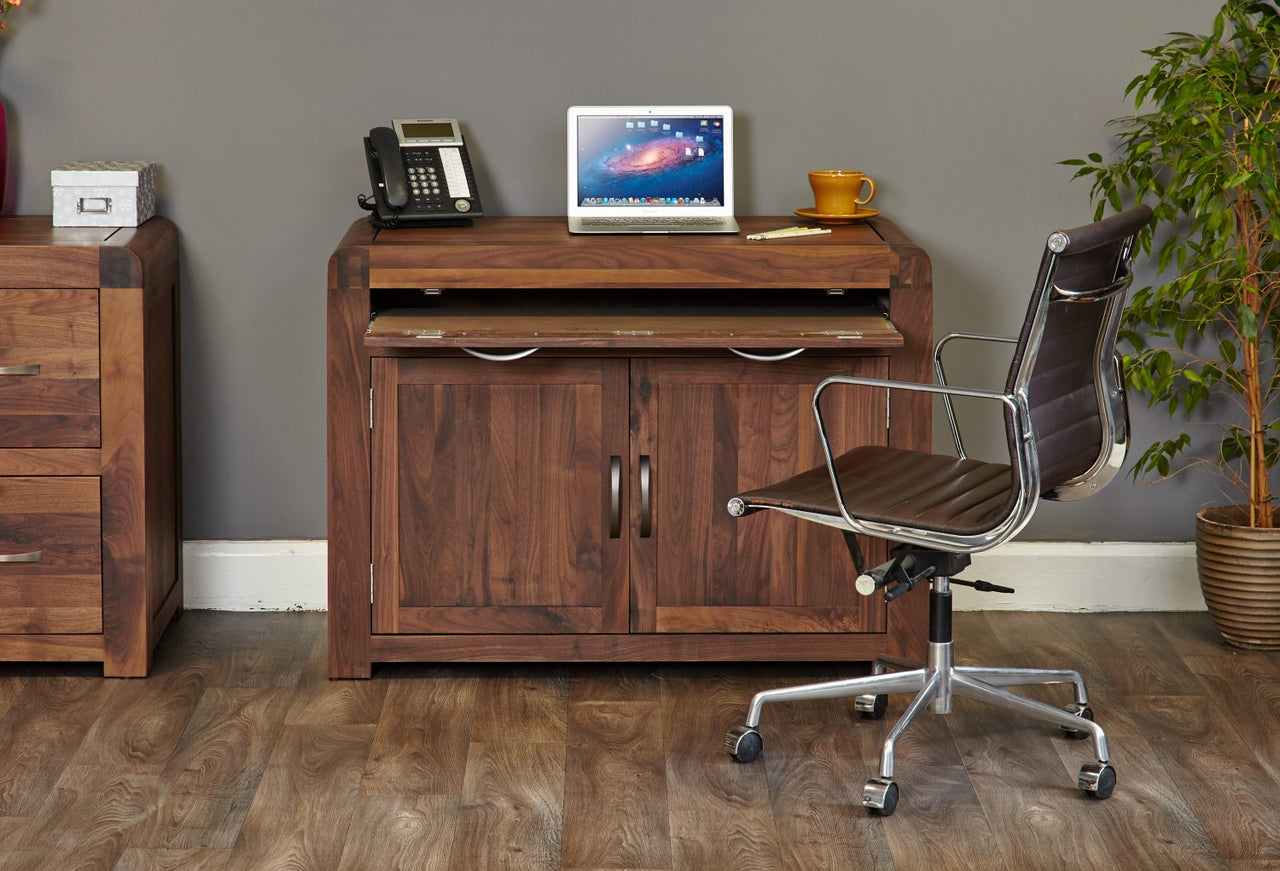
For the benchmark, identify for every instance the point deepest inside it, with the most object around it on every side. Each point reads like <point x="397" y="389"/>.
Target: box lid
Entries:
<point x="127" y="173"/>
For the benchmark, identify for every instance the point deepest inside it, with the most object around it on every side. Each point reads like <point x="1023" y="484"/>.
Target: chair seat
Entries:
<point x="903" y="488"/>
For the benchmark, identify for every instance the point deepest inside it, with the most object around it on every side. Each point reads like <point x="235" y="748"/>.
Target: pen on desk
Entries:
<point x="788" y="232"/>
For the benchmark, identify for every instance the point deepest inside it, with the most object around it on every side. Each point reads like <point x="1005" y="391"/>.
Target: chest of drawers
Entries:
<point x="90" y="528"/>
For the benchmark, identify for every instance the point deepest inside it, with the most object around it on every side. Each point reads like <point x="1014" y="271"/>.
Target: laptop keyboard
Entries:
<point x="643" y="221"/>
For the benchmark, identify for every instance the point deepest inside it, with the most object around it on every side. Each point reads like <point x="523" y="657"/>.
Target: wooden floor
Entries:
<point x="239" y="753"/>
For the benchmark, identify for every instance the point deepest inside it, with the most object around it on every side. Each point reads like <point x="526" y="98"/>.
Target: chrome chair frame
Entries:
<point x="938" y="680"/>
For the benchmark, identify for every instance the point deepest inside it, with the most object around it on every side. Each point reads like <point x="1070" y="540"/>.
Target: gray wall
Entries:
<point x="255" y="108"/>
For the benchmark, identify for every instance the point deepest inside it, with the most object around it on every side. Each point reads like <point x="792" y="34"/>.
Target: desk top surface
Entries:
<point x="553" y="230"/>
<point x="536" y="252"/>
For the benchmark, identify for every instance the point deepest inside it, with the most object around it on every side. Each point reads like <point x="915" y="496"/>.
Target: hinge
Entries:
<point x="370" y="583"/>
<point x="370" y="408"/>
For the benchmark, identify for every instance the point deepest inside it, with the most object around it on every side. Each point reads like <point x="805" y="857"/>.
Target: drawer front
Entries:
<point x="50" y="555"/>
<point x="49" y="376"/>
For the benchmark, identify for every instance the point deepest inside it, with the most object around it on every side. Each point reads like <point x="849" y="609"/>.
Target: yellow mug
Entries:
<point x="838" y="191"/>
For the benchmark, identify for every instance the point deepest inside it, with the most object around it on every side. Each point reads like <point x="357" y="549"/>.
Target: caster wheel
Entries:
<point x="871" y="707"/>
<point x="880" y="797"/>
<point x="1097" y="779"/>
<point x="744" y="744"/>
<point x="1084" y="712"/>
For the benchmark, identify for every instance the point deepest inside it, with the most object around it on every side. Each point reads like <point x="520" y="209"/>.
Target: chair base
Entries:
<point x="935" y="683"/>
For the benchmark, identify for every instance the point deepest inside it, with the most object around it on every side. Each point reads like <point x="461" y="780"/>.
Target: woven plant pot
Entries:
<point x="1239" y="570"/>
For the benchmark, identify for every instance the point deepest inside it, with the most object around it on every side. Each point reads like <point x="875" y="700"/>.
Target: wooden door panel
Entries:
<point x="491" y="495"/>
<point x="716" y="428"/>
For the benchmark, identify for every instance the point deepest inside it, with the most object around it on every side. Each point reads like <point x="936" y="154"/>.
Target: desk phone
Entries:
<point x="421" y="174"/>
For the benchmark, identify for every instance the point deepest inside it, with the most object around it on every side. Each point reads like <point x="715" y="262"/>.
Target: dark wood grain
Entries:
<point x="227" y="758"/>
<point x="56" y="330"/>
<point x="479" y="491"/>
<point x="714" y="429"/>
<point x="96" y="310"/>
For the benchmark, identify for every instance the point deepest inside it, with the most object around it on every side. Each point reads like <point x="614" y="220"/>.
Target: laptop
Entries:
<point x="651" y="169"/>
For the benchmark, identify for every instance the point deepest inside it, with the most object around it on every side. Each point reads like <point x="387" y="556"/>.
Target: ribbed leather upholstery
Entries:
<point x="904" y="488"/>
<point x="941" y="493"/>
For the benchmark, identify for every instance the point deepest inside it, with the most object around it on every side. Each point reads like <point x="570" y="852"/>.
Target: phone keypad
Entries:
<point x="429" y="182"/>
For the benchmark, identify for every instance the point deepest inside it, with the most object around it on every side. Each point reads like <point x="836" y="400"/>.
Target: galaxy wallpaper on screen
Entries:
<point x="650" y="161"/>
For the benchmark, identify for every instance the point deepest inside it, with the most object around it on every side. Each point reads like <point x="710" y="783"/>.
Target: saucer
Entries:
<point x="822" y="218"/>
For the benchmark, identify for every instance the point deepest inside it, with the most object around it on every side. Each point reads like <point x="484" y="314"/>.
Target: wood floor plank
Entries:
<point x="142" y="723"/>
<point x="721" y="815"/>
<point x="1248" y="685"/>
<point x="1139" y="661"/>
<point x="522" y="703"/>
<point x="816" y="772"/>
<point x="42" y="730"/>
<point x="319" y="701"/>
<point x="90" y="813"/>
<point x="398" y="831"/>
<point x="510" y="814"/>
<point x="1231" y="793"/>
<point x="1147" y="807"/>
<point x="615" y="792"/>
<point x="935" y="786"/>
<point x="213" y="774"/>
<point x="302" y="809"/>
<point x="424" y="730"/>
<point x="142" y="859"/>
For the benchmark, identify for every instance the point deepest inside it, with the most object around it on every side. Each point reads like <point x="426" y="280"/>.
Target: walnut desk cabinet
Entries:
<point x="532" y="437"/>
<point x="90" y="561"/>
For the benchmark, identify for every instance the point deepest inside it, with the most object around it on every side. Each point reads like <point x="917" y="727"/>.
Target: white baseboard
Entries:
<point x="286" y="575"/>
<point x="280" y="575"/>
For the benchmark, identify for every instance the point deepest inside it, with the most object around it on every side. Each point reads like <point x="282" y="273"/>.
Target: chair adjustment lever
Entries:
<point x="898" y="574"/>
<point x="983" y="586"/>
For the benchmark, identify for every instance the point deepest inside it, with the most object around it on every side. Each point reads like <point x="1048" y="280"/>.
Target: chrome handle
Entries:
<point x="32" y="557"/>
<point x="615" y="496"/>
<point x="32" y="369"/>
<point x="768" y="358"/>
<point x="646" y="508"/>
<point x="501" y="358"/>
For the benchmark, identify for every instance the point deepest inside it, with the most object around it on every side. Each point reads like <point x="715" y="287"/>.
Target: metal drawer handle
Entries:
<point x="646" y="491"/>
<point x="615" y="496"/>
<point x="32" y="369"/>
<point x="501" y="358"/>
<point x="33" y="557"/>
<point x="768" y="358"/>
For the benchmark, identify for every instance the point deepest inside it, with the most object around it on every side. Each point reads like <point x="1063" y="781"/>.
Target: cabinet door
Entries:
<point x="498" y="494"/>
<point x="708" y="429"/>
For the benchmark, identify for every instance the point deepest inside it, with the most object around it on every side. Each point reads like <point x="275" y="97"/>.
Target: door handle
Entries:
<point x="615" y="496"/>
<point x="500" y="358"/>
<point x="31" y="369"/>
<point x="768" y="358"/>
<point x="646" y="494"/>
<point x="30" y="557"/>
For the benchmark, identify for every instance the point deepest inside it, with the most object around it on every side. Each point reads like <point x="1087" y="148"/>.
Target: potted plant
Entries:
<point x="1204" y="150"/>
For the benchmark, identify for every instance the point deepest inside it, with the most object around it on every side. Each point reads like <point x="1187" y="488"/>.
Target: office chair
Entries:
<point x="1066" y="423"/>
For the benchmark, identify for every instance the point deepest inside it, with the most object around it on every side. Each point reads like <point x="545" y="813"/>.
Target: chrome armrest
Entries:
<point x="1023" y="464"/>
<point x="942" y="377"/>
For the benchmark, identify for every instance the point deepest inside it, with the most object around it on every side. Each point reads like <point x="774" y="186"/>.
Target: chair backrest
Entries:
<point x="1065" y="362"/>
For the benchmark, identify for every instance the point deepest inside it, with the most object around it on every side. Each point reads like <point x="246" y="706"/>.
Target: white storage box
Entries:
<point x="103" y="193"/>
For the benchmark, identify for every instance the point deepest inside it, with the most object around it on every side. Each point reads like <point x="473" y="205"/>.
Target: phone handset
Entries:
<point x="395" y="182"/>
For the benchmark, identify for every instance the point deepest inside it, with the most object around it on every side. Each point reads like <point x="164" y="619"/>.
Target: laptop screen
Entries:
<point x="646" y="160"/>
